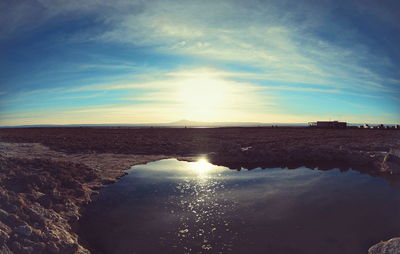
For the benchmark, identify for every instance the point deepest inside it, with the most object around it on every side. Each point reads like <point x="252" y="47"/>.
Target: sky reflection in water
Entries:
<point x="171" y="206"/>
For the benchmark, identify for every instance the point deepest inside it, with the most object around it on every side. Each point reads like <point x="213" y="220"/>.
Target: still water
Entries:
<point x="172" y="206"/>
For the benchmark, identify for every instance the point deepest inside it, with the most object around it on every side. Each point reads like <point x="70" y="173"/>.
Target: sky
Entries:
<point x="158" y="61"/>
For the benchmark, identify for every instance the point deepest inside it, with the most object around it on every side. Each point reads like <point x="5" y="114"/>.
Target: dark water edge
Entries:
<point x="171" y="206"/>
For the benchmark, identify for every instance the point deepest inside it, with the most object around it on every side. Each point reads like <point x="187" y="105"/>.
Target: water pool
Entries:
<point x="172" y="206"/>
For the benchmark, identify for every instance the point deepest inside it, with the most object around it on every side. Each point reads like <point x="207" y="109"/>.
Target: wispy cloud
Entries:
<point x="276" y="44"/>
<point x="253" y="33"/>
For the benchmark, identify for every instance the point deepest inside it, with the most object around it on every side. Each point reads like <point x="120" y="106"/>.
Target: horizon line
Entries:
<point x="189" y="124"/>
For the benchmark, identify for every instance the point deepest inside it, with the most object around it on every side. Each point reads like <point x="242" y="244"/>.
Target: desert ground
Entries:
<point x="47" y="175"/>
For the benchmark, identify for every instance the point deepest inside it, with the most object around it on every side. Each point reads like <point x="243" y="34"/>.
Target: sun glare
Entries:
<point x="201" y="167"/>
<point x="204" y="96"/>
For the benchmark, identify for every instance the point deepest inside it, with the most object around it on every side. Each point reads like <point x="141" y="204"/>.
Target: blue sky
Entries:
<point x="80" y="62"/>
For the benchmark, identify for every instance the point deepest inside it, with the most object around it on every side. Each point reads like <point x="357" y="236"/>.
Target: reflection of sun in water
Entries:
<point x="204" y="226"/>
<point x="201" y="167"/>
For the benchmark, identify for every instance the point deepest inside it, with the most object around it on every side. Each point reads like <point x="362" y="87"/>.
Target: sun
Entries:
<point x="203" y="96"/>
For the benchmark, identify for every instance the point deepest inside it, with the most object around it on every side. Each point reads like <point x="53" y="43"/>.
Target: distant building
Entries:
<point x="329" y="124"/>
<point x="381" y="126"/>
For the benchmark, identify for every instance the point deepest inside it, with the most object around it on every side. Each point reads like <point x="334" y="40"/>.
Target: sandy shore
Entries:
<point x="48" y="174"/>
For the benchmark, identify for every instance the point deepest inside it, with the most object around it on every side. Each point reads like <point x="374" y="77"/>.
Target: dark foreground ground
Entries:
<point x="48" y="174"/>
<point x="236" y="147"/>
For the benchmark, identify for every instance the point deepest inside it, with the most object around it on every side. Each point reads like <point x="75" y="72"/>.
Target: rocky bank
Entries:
<point x="42" y="191"/>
